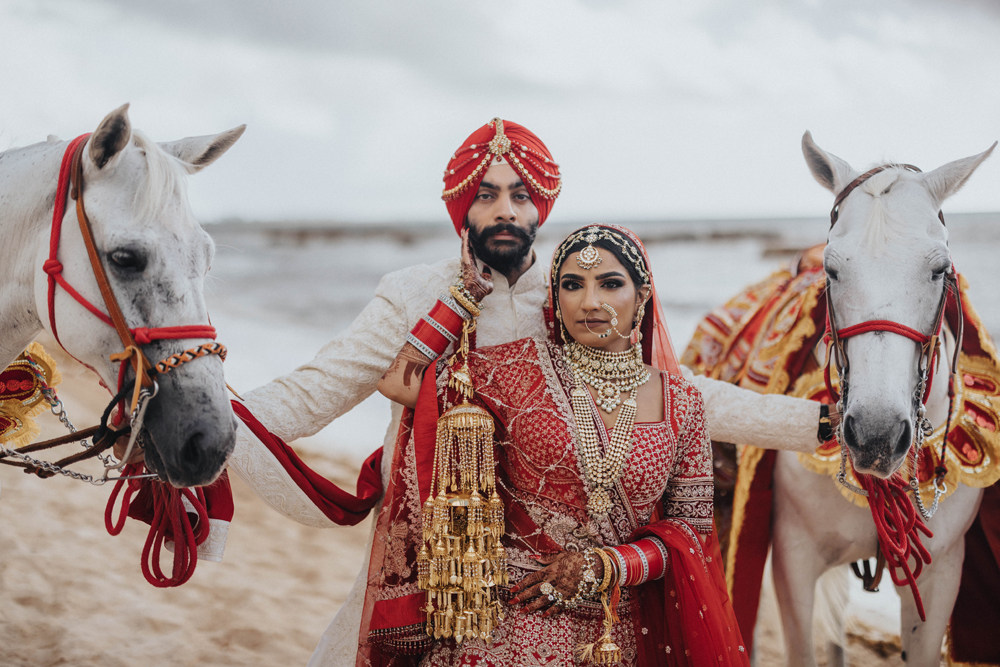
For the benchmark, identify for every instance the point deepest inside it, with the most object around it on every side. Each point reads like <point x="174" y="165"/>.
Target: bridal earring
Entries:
<point x="635" y="336"/>
<point x="562" y="327"/>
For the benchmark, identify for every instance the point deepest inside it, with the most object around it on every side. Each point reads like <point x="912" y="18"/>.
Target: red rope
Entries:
<point x="899" y="527"/>
<point x="52" y="267"/>
<point x="170" y="521"/>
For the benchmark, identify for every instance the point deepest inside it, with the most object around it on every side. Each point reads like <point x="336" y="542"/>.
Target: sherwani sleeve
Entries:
<point x="342" y="374"/>
<point x="690" y="490"/>
<point x="744" y="417"/>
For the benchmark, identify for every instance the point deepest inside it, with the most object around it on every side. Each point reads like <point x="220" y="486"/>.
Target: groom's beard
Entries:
<point x="503" y="256"/>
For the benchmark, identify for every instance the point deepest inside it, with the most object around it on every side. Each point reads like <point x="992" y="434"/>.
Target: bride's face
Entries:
<point x="584" y="292"/>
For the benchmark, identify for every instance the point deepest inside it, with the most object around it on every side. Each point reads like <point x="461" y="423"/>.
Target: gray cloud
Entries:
<point x="654" y="109"/>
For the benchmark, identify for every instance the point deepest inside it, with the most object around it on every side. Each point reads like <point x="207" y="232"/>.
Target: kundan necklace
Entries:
<point x="613" y="370"/>
<point x="610" y="373"/>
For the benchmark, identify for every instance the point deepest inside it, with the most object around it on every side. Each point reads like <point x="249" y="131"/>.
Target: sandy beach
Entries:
<point x="70" y="594"/>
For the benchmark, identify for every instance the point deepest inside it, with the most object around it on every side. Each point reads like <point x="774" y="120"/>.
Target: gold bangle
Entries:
<point x="464" y="301"/>
<point x="606" y="579"/>
<point x="616" y="574"/>
<point x="468" y="295"/>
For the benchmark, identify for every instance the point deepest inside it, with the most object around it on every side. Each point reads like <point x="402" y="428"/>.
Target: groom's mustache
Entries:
<point x="512" y="229"/>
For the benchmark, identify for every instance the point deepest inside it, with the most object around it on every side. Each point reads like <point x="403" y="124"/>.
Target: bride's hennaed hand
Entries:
<point x="477" y="282"/>
<point x="564" y="571"/>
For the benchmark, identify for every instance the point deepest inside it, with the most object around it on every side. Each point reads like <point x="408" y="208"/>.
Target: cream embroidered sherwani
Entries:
<point x="347" y="370"/>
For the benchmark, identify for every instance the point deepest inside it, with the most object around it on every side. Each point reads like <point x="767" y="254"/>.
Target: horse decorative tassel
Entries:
<point x="462" y="560"/>
<point x="26" y="388"/>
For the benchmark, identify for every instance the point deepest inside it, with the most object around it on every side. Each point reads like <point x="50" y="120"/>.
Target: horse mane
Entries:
<point x="878" y="223"/>
<point x="165" y="175"/>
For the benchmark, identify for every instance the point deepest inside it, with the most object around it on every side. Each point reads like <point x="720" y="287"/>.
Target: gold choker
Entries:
<point x="610" y="373"/>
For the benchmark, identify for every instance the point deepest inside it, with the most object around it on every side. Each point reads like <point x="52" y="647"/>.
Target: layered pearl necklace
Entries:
<point x="610" y="373"/>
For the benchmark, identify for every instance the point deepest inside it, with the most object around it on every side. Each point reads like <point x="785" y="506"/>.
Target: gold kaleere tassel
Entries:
<point x="462" y="562"/>
<point x="604" y="651"/>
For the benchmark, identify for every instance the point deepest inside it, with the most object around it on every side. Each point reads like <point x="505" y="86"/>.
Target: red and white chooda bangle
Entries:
<point x="439" y="328"/>
<point x="639" y="562"/>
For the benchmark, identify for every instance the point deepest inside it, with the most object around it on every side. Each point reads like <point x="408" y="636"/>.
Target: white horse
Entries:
<point x="156" y="256"/>
<point x="885" y="260"/>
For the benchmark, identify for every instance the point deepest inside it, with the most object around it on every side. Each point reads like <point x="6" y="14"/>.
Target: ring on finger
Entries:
<point x="547" y="589"/>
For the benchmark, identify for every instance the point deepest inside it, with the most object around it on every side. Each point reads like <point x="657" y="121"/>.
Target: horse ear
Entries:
<point x="110" y="137"/>
<point x="198" y="152"/>
<point x="947" y="179"/>
<point x="831" y="172"/>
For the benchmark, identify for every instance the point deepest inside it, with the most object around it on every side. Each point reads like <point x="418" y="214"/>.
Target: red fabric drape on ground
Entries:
<point x="976" y="615"/>
<point x="532" y="154"/>
<point x="754" y="542"/>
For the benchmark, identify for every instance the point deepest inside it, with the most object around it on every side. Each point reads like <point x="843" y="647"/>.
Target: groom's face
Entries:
<point x="502" y="220"/>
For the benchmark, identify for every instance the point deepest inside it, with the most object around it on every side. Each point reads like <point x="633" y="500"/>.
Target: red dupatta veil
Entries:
<point x="686" y="619"/>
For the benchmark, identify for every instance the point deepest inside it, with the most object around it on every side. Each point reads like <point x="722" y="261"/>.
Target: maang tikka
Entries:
<point x="589" y="257"/>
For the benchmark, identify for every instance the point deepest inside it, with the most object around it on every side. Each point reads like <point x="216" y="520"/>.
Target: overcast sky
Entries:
<point x="653" y="109"/>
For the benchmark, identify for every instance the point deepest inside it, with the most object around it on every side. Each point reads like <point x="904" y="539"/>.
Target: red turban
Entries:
<point x="520" y="148"/>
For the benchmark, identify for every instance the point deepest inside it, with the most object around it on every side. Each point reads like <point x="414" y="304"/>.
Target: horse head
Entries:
<point x="886" y="259"/>
<point x="156" y="257"/>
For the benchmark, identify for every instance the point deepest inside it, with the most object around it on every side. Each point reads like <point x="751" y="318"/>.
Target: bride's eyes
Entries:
<point x="611" y="283"/>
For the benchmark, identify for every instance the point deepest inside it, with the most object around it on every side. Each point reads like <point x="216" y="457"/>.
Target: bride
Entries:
<point x="604" y="471"/>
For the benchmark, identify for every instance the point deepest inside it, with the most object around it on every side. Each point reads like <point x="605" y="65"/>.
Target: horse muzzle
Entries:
<point x="878" y="444"/>
<point x="192" y="428"/>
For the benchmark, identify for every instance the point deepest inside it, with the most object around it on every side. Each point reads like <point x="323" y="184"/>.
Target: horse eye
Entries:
<point x="832" y="273"/>
<point x="938" y="274"/>
<point x="130" y="260"/>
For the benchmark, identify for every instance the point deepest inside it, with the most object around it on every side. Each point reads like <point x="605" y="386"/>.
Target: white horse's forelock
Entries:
<point x="877" y="225"/>
<point x="165" y="176"/>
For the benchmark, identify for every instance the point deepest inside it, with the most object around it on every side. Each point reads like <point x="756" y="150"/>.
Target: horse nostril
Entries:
<point x="191" y="451"/>
<point x="850" y="431"/>
<point x="904" y="437"/>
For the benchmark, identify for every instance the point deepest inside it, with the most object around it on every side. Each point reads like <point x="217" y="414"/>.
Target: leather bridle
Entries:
<point x="930" y="345"/>
<point x="71" y="179"/>
<point x="71" y="184"/>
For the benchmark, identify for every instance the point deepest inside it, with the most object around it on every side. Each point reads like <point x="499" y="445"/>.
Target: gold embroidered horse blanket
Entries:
<point x="764" y="339"/>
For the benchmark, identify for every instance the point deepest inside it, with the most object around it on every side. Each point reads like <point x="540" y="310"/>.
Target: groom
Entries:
<point x="500" y="184"/>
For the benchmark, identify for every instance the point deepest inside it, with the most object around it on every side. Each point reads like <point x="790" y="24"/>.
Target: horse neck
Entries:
<point x="28" y="179"/>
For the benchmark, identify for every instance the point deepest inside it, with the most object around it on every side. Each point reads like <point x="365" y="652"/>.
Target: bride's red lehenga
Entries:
<point x="664" y="491"/>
